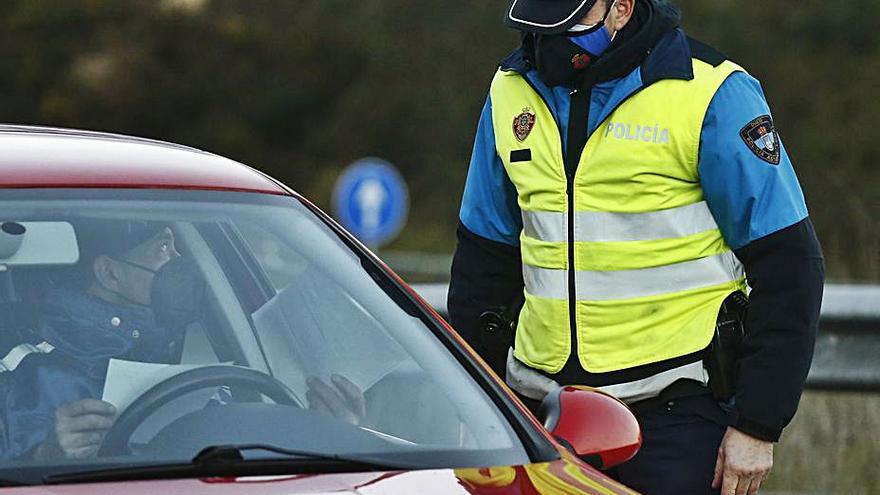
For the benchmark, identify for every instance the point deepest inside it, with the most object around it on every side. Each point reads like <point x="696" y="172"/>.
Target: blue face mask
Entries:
<point x="595" y="41"/>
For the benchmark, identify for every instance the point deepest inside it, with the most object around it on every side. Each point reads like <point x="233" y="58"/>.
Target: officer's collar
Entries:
<point x="516" y="62"/>
<point x="669" y="59"/>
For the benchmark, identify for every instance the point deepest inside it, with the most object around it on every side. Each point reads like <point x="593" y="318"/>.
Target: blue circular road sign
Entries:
<point x="371" y="200"/>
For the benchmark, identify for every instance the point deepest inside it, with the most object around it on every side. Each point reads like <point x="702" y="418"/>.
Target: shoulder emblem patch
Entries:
<point x="523" y="124"/>
<point x="761" y="137"/>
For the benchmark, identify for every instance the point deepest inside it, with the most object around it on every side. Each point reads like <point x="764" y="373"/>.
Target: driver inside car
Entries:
<point x="119" y="302"/>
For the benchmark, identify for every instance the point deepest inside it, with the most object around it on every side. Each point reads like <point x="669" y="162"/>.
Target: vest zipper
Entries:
<point x="572" y="286"/>
<point x="578" y="137"/>
<point x="576" y="142"/>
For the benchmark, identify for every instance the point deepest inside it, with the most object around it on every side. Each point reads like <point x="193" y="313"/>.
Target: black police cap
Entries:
<point x="547" y="16"/>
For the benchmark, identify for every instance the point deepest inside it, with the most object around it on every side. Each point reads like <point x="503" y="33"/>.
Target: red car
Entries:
<point x="172" y="321"/>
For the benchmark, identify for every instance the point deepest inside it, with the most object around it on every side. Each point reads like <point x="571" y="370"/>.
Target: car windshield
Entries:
<point x="216" y="318"/>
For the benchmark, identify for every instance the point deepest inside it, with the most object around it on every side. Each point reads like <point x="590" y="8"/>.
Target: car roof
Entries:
<point x="34" y="156"/>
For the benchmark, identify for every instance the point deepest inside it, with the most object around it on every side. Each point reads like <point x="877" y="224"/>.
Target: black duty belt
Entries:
<point x="681" y="388"/>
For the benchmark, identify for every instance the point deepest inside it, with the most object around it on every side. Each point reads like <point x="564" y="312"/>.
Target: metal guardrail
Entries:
<point x="848" y="345"/>
<point x="847" y="355"/>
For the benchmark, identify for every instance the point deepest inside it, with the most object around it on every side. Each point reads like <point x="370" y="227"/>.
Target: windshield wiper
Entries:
<point x="228" y="460"/>
<point x="221" y="454"/>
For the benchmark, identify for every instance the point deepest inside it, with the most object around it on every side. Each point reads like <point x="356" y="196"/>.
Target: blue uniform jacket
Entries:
<point x="86" y="332"/>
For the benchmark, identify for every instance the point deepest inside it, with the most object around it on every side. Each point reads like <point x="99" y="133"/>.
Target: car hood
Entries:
<point x="558" y="477"/>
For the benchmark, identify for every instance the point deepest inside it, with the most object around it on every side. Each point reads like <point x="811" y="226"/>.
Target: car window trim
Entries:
<point x="233" y="266"/>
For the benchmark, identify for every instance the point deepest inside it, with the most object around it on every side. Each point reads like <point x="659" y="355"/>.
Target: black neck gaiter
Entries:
<point x="560" y="62"/>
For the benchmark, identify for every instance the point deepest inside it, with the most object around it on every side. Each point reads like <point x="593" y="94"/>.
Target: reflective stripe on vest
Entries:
<point x="536" y="386"/>
<point x="600" y="226"/>
<point x="632" y="284"/>
<point x="650" y="267"/>
<point x="631" y="392"/>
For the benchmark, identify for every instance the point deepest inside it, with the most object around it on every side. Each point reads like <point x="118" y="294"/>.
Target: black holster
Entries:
<point x="497" y="333"/>
<point x="720" y="358"/>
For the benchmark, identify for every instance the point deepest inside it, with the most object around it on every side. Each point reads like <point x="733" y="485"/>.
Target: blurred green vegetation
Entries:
<point x="831" y="447"/>
<point x="302" y="88"/>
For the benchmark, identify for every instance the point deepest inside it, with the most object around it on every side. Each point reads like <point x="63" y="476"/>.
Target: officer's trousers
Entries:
<point x="680" y="446"/>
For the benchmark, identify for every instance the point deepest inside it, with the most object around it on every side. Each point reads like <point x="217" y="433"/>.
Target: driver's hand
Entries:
<point x="343" y="399"/>
<point x="80" y="427"/>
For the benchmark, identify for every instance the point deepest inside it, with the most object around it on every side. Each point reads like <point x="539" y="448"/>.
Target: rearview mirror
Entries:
<point x="37" y="244"/>
<point x="597" y="427"/>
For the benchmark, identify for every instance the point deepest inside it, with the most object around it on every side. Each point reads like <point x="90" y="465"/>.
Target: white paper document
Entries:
<point x="314" y="333"/>
<point x="127" y="380"/>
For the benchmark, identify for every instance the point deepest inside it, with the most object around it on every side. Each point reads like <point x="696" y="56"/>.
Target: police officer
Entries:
<point x="626" y="182"/>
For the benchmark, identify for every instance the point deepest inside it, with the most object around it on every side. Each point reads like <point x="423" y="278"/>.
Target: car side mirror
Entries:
<point x="597" y="427"/>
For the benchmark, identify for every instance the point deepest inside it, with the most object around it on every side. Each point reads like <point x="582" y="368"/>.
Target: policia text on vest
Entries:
<point x="644" y="133"/>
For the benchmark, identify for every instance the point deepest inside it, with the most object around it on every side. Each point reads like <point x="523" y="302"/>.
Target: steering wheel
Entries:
<point x="116" y="440"/>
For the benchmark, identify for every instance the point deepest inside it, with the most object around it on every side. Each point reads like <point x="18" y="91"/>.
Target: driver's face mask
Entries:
<point x="178" y="294"/>
<point x="560" y="58"/>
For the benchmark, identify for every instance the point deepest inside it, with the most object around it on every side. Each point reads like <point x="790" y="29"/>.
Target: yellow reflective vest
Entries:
<point x="626" y="249"/>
